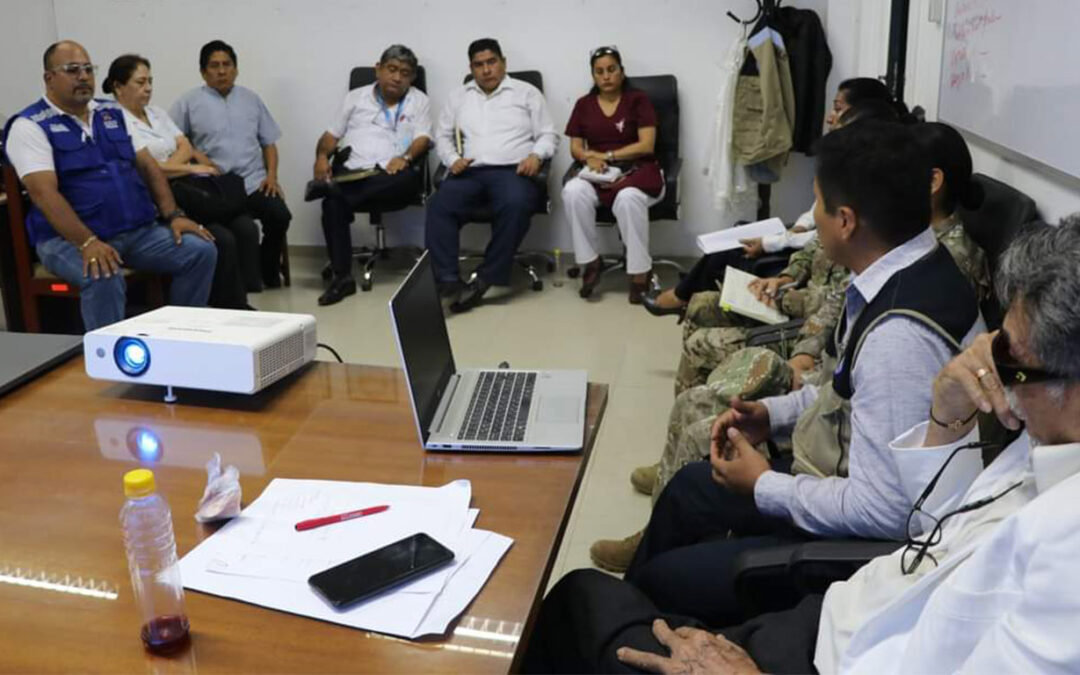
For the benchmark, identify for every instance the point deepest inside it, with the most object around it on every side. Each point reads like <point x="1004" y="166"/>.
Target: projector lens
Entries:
<point x="132" y="356"/>
<point x="144" y="444"/>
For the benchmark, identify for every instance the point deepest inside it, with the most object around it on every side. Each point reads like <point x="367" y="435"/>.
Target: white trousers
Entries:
<point x="631" y="209"/>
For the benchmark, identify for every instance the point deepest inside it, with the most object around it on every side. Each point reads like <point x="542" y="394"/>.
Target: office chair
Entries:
<point x="662" y="90"/>
<point x="368" y="256"/>
<point x="482" y="214"/>
<point x="33" y="280"/>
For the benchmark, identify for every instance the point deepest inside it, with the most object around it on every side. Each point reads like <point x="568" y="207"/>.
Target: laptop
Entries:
<point x="29" y="355"/>
<point x="500" y="410"/>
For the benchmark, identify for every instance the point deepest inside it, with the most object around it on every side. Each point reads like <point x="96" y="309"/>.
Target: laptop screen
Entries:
<point x="417" y="317"/>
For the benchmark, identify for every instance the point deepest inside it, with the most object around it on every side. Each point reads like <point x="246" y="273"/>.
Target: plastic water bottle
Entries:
<point x="560" y="275"/>
<point x="155" y="572"/>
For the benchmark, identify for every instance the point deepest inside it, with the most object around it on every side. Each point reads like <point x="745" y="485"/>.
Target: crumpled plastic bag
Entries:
<point x="221" y="499"/>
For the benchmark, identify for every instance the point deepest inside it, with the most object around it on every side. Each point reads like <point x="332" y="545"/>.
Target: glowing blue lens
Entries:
<point x="132" y="356"/>
<point x="147" y="443"/>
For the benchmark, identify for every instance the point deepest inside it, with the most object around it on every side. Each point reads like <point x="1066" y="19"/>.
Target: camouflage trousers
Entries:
<point x="750" y="373"/>
<point x="711" y="335"/>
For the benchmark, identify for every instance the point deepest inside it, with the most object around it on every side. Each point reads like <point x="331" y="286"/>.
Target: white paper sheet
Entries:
<point x="727" y="240"/>
<point x="259" y="557"/>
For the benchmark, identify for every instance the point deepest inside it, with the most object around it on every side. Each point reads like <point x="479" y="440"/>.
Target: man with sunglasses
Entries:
<point x="986" y="581"/>
<point x="94" y="188"/>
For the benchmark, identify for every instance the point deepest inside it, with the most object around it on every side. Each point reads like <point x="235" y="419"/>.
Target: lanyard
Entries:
<point x="386" y="111"/>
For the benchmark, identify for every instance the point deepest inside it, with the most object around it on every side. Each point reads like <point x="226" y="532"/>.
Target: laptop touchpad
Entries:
<point x="559" y="409"/>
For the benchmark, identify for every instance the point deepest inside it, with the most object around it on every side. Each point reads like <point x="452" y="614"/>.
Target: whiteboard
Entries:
<point x="1010" y="74"/>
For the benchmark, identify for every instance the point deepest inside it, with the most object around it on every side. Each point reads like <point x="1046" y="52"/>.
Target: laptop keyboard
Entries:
<point x="499" y="407"/>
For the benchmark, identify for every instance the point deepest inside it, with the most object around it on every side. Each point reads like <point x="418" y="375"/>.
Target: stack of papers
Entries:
<point x="728" y="240"/>
<point x="260" y="558"/>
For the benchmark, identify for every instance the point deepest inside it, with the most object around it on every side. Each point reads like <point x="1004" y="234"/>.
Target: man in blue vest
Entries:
<point x="94" y="194"/>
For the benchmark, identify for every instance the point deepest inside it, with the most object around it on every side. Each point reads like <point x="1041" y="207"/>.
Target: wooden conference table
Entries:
<point x="65" y="594"/>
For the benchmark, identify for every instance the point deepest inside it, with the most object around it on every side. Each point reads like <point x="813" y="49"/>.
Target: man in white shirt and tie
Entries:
<point x="987" y="579"/>
<point x="386" y="126"/>
<point x="493" y="135"/>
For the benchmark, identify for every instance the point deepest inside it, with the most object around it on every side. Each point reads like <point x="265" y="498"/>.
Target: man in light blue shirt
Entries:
<point x="908" y="311"/>
<point x="231" y="127"/>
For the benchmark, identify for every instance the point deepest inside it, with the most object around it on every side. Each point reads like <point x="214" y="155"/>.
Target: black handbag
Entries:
<point x="210" y="199"/>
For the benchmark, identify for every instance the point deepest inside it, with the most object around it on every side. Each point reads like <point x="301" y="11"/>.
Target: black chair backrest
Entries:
<point x="533" y="77"/>
<point x="1003" y="212"/>
<point x="663" y="91"/>
<point x="361" y="76"/>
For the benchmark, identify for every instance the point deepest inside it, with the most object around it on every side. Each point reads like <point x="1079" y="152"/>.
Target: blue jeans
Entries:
<point x="150" y="248"/>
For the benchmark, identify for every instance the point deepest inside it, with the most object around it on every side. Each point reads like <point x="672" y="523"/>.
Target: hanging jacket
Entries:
<point x="810" y="61"/>
<point x="727" y="179"/>
<point x="764" y="101"/>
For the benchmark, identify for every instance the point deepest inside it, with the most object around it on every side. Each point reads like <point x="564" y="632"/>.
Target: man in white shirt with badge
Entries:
<point x="493" y="134"/>
<point x="986" y="582"/>
<point x="386" y="127"/>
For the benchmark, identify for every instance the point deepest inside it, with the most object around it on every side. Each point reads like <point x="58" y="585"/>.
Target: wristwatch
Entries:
<point x="173" y="215"/>
<point x="407" y="158"/>
<point x="610" y="156"/>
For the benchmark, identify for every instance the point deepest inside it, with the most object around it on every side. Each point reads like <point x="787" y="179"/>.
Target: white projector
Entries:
<point x="201" y="348"/>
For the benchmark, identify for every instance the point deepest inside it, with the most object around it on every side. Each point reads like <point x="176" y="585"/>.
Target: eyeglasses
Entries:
<point x="1010" y="372"/>
<point x="915" y="549"/>
<point x="75" y="68"/>
<point x="610" y="50"/>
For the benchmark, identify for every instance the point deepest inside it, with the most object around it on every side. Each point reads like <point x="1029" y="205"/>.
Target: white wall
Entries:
<point x="1055" y="197"/>
<point x="297" y="56"/>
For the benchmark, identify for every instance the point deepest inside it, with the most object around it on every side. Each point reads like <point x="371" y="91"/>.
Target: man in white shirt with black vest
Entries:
<point x="385" y="126"/>
<point x="493" y="134"/>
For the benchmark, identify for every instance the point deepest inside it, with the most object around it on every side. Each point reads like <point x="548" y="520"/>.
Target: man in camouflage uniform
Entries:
<point x="710" y="334"/>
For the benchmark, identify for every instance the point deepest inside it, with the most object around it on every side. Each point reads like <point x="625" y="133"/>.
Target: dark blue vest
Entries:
<point x="96" y="176"/>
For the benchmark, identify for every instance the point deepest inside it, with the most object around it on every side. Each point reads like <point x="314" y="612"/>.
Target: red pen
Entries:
<point x="341" y="517"/>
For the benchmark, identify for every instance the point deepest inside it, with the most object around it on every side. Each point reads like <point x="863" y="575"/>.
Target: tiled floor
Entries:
<point x="618" y="344"/>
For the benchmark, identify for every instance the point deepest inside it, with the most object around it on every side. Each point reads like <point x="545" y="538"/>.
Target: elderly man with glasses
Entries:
<point x="383" y="128"/>
<point x="986" y="582"/>
<point x="94" y="188"/>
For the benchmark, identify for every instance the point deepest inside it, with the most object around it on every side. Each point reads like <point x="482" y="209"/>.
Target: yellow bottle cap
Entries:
<point x="139" y="483"/>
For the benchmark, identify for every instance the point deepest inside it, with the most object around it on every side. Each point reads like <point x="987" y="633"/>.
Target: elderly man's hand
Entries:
<point x="460" y="165"/>
<point x="766" y="290"/>
<point x="395" y="165"/>
<point x="271" y="188"/>
<point x="181" y="225"/>
<point x="736" y="464"/>
<point x="693" y="652"/>
<point x="100" y="260"/>
<point x="322" y="171"/>
<point x="967" y="383"/>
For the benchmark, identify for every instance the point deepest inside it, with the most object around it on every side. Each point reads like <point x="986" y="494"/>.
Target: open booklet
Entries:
<point x="727" y="240"/>
<point x="736" y="297"/>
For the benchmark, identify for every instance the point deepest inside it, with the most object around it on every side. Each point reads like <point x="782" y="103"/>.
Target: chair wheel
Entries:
<point x="365" y="285"/>
<point x="538" y="285"/>
<point x="327" y="272"/>
<point x="573" y="272"/>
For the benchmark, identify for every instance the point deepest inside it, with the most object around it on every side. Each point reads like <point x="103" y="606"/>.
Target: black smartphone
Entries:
<point x="384" y="568"/>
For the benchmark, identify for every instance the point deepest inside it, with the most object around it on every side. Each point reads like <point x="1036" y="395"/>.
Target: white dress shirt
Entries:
<point x="498" y="129"/>
<point x="788" y="239"/>
<point x="891" y="394"/>
<point x="159" y="137"/>
<point x="1003" y="596"/>
<point x="29" y="149"/>
<point x="376" y="132"/>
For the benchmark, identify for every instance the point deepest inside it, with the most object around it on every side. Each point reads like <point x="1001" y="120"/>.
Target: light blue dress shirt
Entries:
<point x="232" y="130"/>
<point x="893" y="380"/>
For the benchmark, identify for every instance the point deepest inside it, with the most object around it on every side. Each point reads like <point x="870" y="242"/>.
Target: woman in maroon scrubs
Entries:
<point x="613" y="127"/>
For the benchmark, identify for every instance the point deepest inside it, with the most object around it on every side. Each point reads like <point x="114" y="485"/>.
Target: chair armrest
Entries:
<point x="860" y="551"/>
<point x="441" y="173"/>
<point x="571" y="172"/>
<point x="767" y="335"/>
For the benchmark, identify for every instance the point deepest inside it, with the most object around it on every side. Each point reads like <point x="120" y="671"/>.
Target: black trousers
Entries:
<point x="274" y="216"/>
<point x="588" y="615"/>
<point x="389" y="193"/>
<point x="708" y="270"/>
<point x="686" y="560"/>
<point x="227" y="289"/>
<point x="513" y="200"/>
